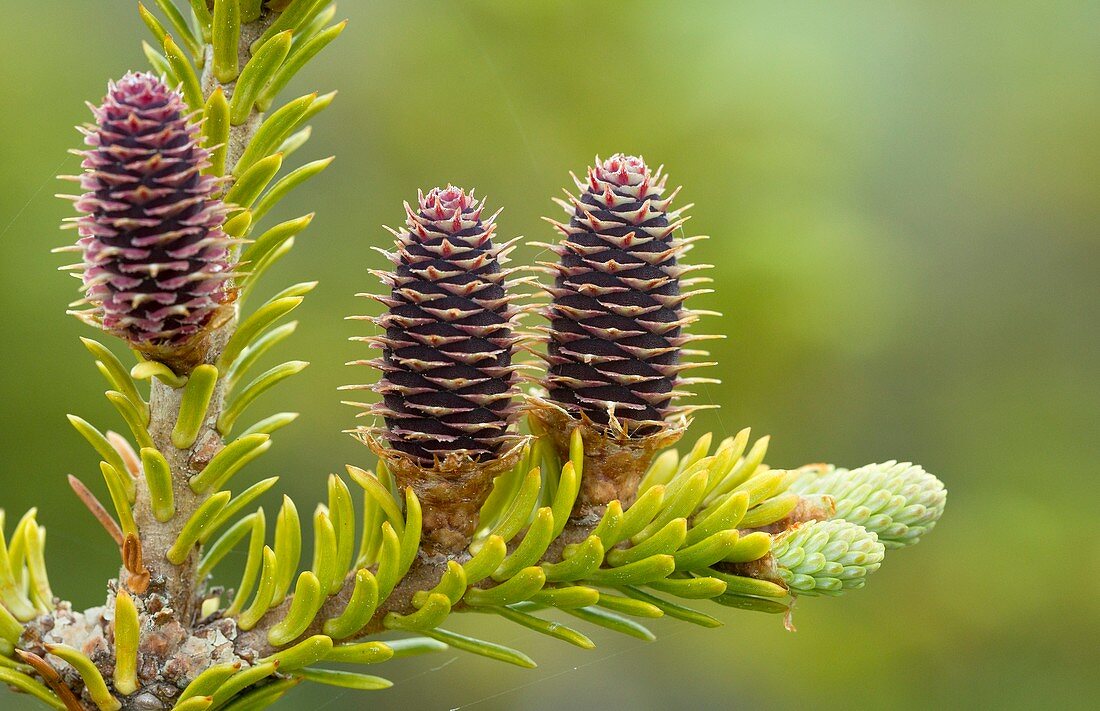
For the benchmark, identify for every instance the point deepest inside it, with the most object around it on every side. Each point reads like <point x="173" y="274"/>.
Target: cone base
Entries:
<point x="200" y="348"/>
<point x="451" y="492"/>
<point x="614" y="460"/>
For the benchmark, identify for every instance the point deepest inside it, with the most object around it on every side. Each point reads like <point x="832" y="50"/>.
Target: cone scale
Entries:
<point x="155" y="259"/>
<point x="616" y="336"/>
<point x="448" y="383"/>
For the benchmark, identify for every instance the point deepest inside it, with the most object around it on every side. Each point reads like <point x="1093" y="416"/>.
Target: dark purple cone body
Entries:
<point x="155" y="258"/>
<point x="448" y="383"/>
<point x="616" y="315"/>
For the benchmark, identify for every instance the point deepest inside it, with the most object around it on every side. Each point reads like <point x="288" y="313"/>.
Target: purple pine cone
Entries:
<point x="617" y="316"/>
<point x="448" y="384"/>
<point x="156" y="261"/>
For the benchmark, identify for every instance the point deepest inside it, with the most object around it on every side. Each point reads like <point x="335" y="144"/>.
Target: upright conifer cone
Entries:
<point x="615" y="342"/>
<point x="448" y="383"/>
<point x="155" y="258"/>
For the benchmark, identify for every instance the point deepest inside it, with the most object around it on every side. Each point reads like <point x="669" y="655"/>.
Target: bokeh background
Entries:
<point x="905" y="209"/>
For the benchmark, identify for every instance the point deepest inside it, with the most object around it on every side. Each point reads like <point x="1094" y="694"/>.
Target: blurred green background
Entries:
<point x="905" y="209"/>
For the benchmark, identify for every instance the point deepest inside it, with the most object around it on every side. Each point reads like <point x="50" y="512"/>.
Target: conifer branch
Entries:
<point x="570" y="499"/>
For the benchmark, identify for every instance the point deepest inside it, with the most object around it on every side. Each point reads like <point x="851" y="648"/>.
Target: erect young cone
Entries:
<point x="155" y="258"/>
<point x="448" y="384"/>
<point x="617" y="315"/>
<point x="615" y="342"/>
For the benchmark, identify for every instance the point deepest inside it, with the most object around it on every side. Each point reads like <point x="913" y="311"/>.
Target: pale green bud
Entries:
<point x="899" y="502"/>
<point x="826" y="557"/>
